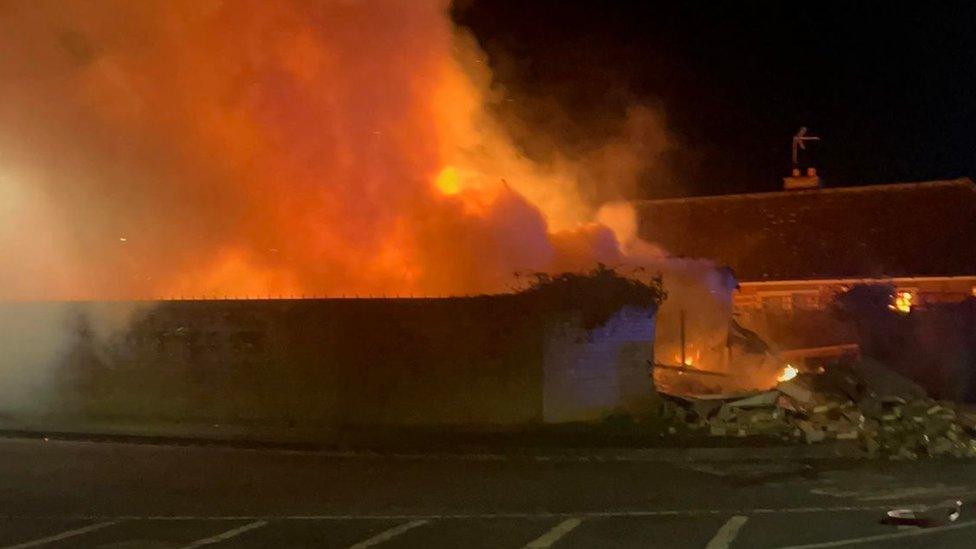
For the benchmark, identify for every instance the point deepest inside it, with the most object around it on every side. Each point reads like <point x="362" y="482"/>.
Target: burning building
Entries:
<point x="155" y="151"/>
<point x="160" y="150"/>
<point x="793" y="251"/>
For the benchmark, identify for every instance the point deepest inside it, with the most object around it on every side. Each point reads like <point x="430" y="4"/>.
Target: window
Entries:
<point x="777" y="302"/>
<point x="745" y="301"/>
<point x="788" y="301"/>
<point x="807" y="300"/>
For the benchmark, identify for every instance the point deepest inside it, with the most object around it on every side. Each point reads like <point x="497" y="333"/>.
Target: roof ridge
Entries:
<point x="957" y="182"/>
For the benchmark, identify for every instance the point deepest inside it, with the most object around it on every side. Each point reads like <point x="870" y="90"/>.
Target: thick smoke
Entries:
<point x="251" y="148"/>
<point x="39" y="339"/>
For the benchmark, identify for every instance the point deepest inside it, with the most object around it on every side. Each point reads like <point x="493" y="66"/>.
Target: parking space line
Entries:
<point x="553" y="535"/>
<point x="62" y="535"/>
<point x="388" y="534"/>
<point x="227" y="535"/>
<point x="883" y="537"/>
<point x="727" y="533"/>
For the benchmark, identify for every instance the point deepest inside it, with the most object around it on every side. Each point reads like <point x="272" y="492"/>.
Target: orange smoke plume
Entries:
<point x="251" y="148"/>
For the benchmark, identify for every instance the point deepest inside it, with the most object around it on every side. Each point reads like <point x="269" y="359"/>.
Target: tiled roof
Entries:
<point x="896" y="230"/>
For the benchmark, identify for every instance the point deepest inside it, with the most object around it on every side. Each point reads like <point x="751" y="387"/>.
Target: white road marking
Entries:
<point x="61" y="536"/>
<point x="883" y="537"/>
<point x="900" y="493"/>
<point x="388" y="534"/>
<point x="727" y="533"/>
<point x="553" y="535"/>
<point x="227" y="535"/>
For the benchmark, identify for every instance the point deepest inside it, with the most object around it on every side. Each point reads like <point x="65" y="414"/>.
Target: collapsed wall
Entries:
<point x="696" y="313"/>
<point x="488" y="361"/>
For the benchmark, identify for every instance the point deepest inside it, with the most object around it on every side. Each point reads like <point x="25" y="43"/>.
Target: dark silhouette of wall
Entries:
<point x="935" y="345"/>
<point x="330" y="363"/>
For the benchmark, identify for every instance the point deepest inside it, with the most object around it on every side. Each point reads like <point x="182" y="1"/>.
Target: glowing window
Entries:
<point x="903" y="300"/>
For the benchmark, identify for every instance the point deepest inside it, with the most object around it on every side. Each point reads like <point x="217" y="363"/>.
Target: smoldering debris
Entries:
<point x="881" y="411"/>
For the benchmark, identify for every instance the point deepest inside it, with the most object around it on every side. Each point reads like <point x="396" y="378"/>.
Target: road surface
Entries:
<point x="85" y="494"/>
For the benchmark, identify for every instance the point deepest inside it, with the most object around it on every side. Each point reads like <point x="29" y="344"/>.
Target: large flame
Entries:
<point x="247" y="148"/>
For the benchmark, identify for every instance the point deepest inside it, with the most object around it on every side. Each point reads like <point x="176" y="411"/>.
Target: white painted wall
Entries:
<point x="589" y="375"/>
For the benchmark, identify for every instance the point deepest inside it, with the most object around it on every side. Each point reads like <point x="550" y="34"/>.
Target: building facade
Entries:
<point x="794" y="251"/>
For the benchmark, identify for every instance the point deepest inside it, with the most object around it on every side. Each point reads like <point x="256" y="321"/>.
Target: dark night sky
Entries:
<point x="889" y="86"/>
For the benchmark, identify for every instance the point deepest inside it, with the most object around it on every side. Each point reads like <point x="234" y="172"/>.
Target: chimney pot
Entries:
<point x="798" y="182"/>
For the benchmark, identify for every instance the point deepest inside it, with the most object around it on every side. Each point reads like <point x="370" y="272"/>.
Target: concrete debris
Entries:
<point x="787" y="403"/>
<point x="809" y="409"/>
<point x="764" y="399"/>
<point x="705" y="408"/>
<point x="796" y="390"/>
<point x="813" y="433"/>
<point x="881" y="380"/>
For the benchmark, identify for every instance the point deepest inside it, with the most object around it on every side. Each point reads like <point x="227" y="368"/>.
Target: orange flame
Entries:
<point x="255" y="148"/>
<point x="788" y="373"/>
<point x="448" y="181"/>
<point x="692" y="358"/>
<point x="902" y="302"/>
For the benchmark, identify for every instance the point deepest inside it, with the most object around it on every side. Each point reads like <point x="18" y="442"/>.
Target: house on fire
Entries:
<point x="794" y="250"/>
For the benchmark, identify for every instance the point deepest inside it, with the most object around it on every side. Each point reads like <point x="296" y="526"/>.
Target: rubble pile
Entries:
<point x="884" y="412"/>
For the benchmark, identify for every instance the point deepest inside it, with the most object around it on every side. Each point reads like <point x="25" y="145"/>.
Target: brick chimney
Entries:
<point x="797" y="182"/>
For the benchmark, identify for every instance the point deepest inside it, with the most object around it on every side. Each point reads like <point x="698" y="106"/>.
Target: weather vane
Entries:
<point x="798" y="140"/>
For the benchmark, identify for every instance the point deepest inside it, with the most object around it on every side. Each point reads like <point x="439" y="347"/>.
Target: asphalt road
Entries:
<point x="78" y="494"/>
